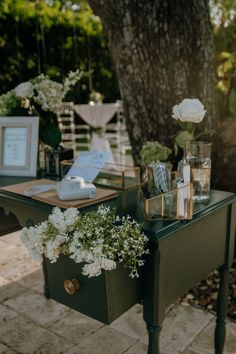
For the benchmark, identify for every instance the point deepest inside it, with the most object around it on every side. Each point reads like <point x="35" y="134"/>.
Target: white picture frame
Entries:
<point x="19" y="146"/>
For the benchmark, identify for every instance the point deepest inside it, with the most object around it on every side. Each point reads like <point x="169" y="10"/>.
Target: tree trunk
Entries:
<point x="224" y="156"/>
<point x="162" y="52"/>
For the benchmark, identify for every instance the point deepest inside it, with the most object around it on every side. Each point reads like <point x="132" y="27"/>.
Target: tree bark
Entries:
<point x="163" y="53"/>
<point x="224" y="156"/>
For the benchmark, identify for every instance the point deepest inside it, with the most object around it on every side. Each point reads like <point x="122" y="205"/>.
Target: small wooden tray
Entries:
<point x="50" y="197"/>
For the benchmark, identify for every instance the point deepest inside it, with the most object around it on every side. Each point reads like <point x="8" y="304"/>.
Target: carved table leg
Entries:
<point x="221" y="310"/>
<point x="153" y="339"/>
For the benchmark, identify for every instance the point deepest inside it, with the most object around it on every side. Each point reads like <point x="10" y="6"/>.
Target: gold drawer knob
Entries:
<point x="71" y="286"/>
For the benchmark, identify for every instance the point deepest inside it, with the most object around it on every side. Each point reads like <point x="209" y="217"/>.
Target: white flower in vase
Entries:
<point x="188" y="113"/>
<point x="189" y="110"/>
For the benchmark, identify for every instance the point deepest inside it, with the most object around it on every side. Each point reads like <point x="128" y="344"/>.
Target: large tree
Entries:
<point x="163" y="52"/>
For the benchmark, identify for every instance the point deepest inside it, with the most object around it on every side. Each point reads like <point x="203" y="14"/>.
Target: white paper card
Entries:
<point x="183" y="198"/>
<point x="15" y="146"/>
<point x="180" y="201"/>
<point x="186" y="173"/>
<point x="88" y="164"/>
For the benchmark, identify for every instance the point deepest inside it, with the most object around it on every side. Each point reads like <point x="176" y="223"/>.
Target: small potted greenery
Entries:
<point x="158" y="171"/>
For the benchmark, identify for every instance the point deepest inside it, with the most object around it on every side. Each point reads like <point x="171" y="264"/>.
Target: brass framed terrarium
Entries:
<point x="175" y="203"/>
<point x="116" y="176"/>
<point x="119" y="176"/>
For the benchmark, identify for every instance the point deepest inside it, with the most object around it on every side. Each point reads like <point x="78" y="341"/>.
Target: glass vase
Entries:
<point x="198" y="155"/>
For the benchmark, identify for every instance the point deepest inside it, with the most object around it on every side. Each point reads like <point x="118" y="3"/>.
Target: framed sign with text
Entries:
<point x="19" y="146"/>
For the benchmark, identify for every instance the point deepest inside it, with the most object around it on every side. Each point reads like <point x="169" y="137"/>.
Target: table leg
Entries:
<point x="153" y="303"/>
<point x="153" y="339"/>
<point x="45" y="275"/>
<point x="221" y="310"/>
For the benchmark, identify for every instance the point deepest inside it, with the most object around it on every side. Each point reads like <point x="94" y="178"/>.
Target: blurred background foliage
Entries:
<point x="56" y="36"/>
<point x="223" y="16"/>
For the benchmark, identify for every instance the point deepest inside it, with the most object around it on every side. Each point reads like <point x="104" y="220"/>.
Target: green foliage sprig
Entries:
<point x="153" y="151"/>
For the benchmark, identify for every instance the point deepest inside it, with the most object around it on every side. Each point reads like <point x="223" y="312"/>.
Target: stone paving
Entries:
<point x="31" y="324"/>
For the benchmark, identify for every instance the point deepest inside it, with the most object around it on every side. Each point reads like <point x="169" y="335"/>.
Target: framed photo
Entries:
<point x="19" y="146"/>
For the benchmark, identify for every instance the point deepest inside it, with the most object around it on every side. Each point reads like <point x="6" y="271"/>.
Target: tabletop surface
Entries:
<point x="126" y="204"/>
<point x="159" y="229"/>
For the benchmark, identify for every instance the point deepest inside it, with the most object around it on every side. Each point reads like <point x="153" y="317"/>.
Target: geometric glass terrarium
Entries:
<point x="112" y="175"/>
<point x="119" y="176"/>
<point x="175" y="204"/>
<point x="163" y="196"/>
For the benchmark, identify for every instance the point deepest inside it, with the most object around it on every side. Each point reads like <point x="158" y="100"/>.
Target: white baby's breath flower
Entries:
<point x="29" y="239"/>
<point x="95" y="268"/>
<point x="76" y="236"/>
<point x="189" y="110"/>
<point x="97" y="239"/>
<point x="79" y="255"/>
<point x="103" y="210"/>
<point x="41" y="228"/>
<point x="52" y="248"/>
<point x="57" y="219"/>
<point x="108" y="264"/>
<point x="49" y="94"/>
<point x="72" y="78"/>
<point x="92" y="269"/>
<point x="70" y="216"/>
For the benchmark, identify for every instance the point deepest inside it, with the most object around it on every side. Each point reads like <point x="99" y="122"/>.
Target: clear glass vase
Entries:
<point x="198" y="155"/>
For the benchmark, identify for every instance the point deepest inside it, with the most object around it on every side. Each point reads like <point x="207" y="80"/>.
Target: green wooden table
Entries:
<point x="182" y="253"/>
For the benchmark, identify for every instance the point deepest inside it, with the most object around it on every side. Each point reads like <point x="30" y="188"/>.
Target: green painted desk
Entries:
<point x="182" y="253"/>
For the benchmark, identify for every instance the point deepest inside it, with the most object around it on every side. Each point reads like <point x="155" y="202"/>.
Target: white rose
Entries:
<point x="25" y="89"/>
<point x="189" y="110"/>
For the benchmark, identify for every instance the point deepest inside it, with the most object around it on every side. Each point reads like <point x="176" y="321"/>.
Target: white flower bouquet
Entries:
<point x="99" y="239"/>
<point x="42" y="97"/>
<point x="42" y="91"/>
<point x="46" y="93"/>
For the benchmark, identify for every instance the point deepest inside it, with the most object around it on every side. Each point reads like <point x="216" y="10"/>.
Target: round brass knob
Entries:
<point x="71" y="286"/>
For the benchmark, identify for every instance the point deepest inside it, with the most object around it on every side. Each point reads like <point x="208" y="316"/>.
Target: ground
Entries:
<point x="204" y="295"/>
<point x="31" y="324"/>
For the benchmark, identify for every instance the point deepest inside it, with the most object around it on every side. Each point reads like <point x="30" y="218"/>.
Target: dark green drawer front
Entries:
<point x="191" y="253"/>
<point x="103" y="298"/>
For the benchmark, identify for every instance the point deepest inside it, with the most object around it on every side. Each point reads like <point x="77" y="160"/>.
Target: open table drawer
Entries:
<point x="103" y="298"/>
